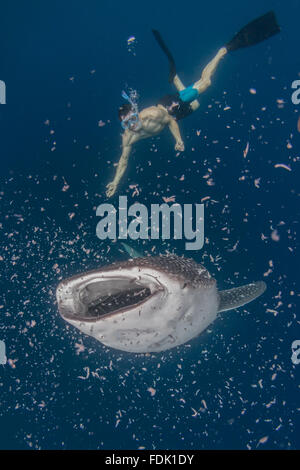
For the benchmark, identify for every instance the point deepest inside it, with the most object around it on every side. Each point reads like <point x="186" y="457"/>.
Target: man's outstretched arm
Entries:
<point x="174" y="129"/>
<point x="122" y="165"/>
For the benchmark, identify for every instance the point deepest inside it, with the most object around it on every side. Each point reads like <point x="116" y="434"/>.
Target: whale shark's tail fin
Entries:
<point x="234" y="298"/>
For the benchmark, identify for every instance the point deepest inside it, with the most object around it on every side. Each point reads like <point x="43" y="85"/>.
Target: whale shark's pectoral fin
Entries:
<point x="234" y="298"/>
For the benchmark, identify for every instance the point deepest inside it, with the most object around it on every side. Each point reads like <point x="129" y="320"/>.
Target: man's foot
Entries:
<point x="223" y="51"/>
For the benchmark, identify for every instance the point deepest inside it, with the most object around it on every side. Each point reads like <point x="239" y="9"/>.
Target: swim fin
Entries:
<point x="254" y="32"/>
<point x="172" y="66"/>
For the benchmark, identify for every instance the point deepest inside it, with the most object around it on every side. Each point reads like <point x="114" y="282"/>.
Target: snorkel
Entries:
<point x="131" y="121"/>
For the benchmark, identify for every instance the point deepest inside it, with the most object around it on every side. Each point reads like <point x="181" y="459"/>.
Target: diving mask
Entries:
<point x="131" y="122"/>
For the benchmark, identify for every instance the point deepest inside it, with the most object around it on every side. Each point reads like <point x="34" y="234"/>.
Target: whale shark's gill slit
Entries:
<point x="105" y="297"/>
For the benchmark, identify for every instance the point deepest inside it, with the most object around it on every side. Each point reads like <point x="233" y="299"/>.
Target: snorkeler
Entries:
<point x="171" y="108"/>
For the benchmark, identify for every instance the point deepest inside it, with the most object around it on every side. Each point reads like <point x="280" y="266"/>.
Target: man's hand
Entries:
<point x="179" y="146"/>
<point x="111" y="189"/>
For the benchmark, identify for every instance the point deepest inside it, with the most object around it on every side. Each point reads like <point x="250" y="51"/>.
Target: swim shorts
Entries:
<point x="177" y="108"/>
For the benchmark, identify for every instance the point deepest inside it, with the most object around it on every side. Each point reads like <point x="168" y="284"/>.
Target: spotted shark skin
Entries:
<point x="147" y="304"/>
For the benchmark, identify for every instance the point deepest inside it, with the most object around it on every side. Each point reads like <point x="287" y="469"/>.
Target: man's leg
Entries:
<point x="180" y="86"/>
<point x="205" y="80"/>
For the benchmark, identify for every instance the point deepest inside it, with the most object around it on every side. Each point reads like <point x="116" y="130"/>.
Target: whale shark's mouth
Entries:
<point x="98" y="298"/>
<point x="104" y="297"/>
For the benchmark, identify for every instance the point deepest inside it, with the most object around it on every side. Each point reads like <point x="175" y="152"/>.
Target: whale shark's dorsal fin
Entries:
<point x="234" y="298"/>
<point x="131" y="251"/>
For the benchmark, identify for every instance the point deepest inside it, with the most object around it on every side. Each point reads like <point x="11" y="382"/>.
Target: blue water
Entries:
<point x="65" y="65"/>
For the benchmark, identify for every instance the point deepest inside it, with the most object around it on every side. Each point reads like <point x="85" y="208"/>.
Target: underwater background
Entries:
<point x="64" y="65"/>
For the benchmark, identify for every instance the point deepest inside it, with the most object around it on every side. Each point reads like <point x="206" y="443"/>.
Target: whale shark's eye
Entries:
<point x="110" y="296"/>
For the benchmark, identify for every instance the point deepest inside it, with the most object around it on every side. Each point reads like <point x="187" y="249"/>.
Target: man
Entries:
<point x="171" y="108"/>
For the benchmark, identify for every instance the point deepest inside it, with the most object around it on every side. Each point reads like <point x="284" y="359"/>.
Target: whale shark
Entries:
<point x="148" y="304"/>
